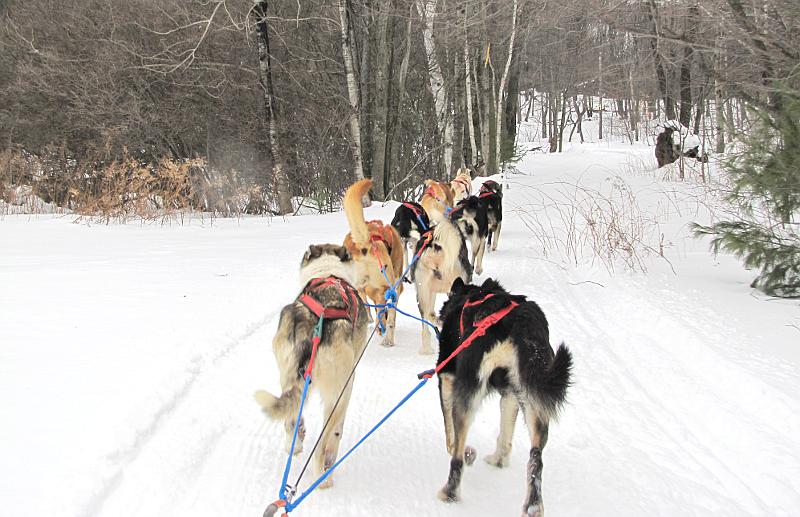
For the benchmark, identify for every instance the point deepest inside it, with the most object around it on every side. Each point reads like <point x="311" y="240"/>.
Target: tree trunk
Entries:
<point x="563" y="100"/>
<point x="501" y="91"/>
<point x="270" y="108"/>
<point x="544" y="104"/>
<point x="661" y="75"/>
<point x="381" y="45"/>
<point x="352" y="90"/>
<point x="468" y="89"/>
<point x="512" y="108"/>
<point x="685" y="116"/>
<point x="443" y="119"/>
<point x="600" y="105"/>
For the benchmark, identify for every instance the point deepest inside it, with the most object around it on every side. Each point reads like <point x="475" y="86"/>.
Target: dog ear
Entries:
<point x="343" y="254"/>
<point x="458" y="286"/>
<point x="314" y="251"/>
<point x="490" y="284"/>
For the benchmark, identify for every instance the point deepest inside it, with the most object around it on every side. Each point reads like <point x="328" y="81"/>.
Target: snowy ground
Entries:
<point x="130" y="353"/>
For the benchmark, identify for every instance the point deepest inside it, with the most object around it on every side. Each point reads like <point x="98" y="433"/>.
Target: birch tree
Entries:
<point x="444" y="120"/>
<point x="352" y="90"/>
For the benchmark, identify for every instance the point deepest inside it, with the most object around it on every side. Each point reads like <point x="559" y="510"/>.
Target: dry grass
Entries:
<point x="576" y="223"/>
<point x="122" y="190"/>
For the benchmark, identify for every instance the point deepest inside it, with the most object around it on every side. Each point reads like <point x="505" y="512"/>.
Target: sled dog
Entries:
<point x="443" y="259"/>
<point x="462" y="184"/>
<point x="470" y="214"/>
<point x="437" y="200"/>
<point x="410" y="221"/>
<point x="514" y="358"/>
<point x="373" y="245"/>
<point x="491" y="196"/>
<point x="327" y="273"/>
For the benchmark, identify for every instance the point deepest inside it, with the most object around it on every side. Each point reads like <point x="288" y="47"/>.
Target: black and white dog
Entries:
<point x="410" y="220"/>
<point x="514" y="358"/>
<point x="470" y="214"/>
<point x="491" y="196"/>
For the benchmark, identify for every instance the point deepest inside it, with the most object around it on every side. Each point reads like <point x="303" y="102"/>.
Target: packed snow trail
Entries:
<point x="130" y="355"/>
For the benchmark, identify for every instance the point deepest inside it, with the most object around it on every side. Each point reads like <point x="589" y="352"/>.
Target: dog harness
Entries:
<point x="488" y="189"/>
<point x="480" y="326"/>
<point x="349" y="312"/>
<point x="419" y="213"/>
<point x="379" y="232"/>
<point x="346" y="291"/>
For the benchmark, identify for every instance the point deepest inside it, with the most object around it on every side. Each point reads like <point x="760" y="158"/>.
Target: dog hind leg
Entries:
<point x="477" y="258"/>
<point x="538" y="427"/>
<point x="446" y="400"/>
<point x="463" y="412"/>
<point x="496" y="236"/>
<point x="328" y="451"/>
<point x="425" y="302"/>
<point x="509" y="408"/>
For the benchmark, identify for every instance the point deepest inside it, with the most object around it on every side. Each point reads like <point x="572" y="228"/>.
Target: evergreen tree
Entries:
<point x="765" y="177"/>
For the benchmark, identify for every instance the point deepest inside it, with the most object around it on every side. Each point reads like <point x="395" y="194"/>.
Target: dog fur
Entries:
<point x="442" y="261"/>
<point x="369" y="253"/>
<point x="437" y="199"/>
<point x="462" y="184"/>
<point x="491" y="197"/>
<point x="470" y="214"/>
<point x="409" y="227"/>
<point x="514" y="358"/>
<point x="341" y="344"/>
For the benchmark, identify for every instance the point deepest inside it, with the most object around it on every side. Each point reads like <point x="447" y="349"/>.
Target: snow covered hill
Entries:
<point x="130" y="353"/>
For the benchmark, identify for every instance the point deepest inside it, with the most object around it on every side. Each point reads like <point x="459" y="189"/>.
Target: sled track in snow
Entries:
<point x="127" y="455"/>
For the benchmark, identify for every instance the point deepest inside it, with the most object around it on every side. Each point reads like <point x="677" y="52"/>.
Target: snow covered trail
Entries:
<point x="130" y="355"/>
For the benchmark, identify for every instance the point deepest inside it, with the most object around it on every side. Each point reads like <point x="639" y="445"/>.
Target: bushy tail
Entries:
<point x="279" y="407"/>
<point x="552" y="385"/>
<point x="355" y="212"/>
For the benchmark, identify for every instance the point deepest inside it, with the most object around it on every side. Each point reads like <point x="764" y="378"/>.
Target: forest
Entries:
<point x="233" y="106"/>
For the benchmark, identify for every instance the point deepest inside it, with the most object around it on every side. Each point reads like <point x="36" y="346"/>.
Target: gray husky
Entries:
<point x="327" y="274"/>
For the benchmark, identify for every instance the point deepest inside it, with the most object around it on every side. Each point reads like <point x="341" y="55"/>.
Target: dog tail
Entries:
<point x="552" y="385"/>
<point x="279" y="407"/>
<point x="355" y="211"/>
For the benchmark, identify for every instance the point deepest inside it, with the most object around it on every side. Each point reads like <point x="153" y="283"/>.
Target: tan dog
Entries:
<point x="343" y="340"/>
<point x="462" y="184"/>
<point x="373" y="245"/>
<point x="443" y="259"/>
<point x="437" y="200"/>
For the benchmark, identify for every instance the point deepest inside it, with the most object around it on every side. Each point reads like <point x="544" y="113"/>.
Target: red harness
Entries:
<point x="418" y="213"/>
<point x="346" y="291"/>
<point x="379" y="232"/>
<point x="487" y="189"/>
<point x="480" y="326"/>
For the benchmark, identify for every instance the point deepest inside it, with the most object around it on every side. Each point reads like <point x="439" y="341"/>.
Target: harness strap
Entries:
<point x="481" y="326"/>
<point x="346" y="291"/>
<point x="419" y="213"/>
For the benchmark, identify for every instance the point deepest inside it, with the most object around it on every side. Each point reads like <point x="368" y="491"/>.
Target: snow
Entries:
<point x="130" y="353"/>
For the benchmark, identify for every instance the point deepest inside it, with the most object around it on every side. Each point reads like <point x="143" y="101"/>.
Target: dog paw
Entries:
<point x="388" y="343"/>
<point x="328" y="483"/>
<point x="447" y="495"/>
<point x="469" y="455"/>
<point x="478" y="270"/>
<point x="534" y="510"/>
<point x="496" y="460"/>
